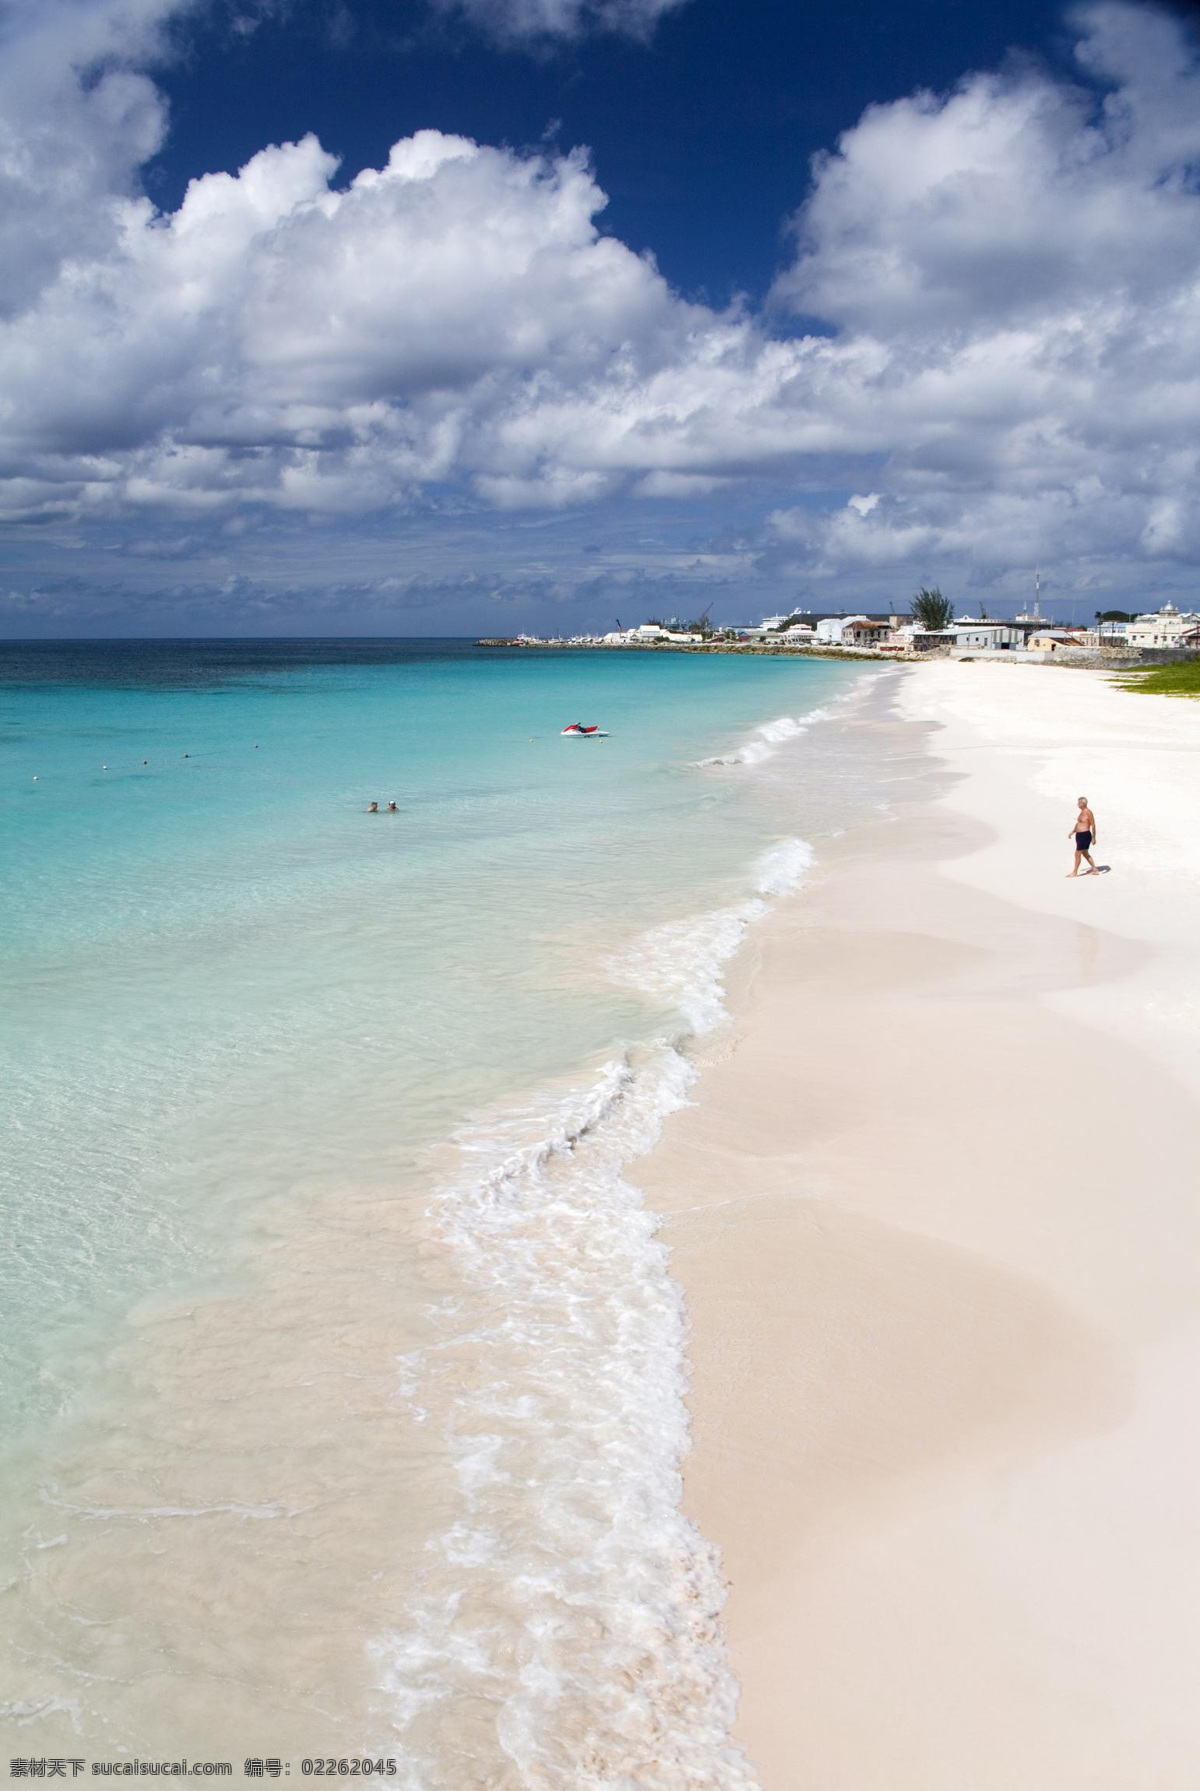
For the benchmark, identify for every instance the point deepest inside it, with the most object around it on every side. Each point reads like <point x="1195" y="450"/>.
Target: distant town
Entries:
<point x="1114" y="636"/>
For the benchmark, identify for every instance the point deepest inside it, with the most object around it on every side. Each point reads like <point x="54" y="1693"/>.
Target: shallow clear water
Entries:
<point x="330" y="1318"/>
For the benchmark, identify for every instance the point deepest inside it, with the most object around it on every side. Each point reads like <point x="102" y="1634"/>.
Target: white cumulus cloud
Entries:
<point x="1008" y="369"/>
<point x="77" y="120"/>
<point x="1024" y="256"/>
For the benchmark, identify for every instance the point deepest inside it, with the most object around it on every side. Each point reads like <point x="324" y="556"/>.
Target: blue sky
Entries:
<point x="456" y="316"/>
<point x="701" y="136"/>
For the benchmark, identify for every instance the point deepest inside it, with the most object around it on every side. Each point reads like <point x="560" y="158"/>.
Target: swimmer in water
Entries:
<point x="392" y="809"/>
<point x="372" y="808"/>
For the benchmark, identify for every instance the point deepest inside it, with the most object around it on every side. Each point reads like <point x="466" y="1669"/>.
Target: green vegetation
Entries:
<point x="1114" y="615"/>
<point x="931" y="609"/>
<point x="1181" y="680"/>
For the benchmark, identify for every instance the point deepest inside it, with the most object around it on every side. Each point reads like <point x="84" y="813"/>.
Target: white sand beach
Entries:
<point x="935" y="1213"/>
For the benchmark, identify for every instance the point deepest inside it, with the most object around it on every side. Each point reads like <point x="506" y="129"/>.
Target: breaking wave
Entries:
<point x="567" y="1628"/>
<point x="767" y="739"/>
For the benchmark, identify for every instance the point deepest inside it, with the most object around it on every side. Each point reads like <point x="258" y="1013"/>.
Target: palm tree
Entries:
<point x="931" y="609"/>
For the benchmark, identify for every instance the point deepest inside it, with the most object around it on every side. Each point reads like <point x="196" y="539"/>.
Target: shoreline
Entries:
<point x="235" y="1461"/>
<point x="764" y="649"/>
<point x="866" y="1345"/>
<point x="934" y="1220"/>
<point x="1087" y="659"/>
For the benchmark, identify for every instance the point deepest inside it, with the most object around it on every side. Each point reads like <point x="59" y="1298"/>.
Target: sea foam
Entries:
<point x="682" y="962"/>
<point x="571" y="1609"/>
<point x="566" y="1630"/>
<point x="767" y="739"/>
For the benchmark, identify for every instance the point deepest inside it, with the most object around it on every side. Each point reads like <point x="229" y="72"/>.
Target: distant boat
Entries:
<point x="578" y="732"/>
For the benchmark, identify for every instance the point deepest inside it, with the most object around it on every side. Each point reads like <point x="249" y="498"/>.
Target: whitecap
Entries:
<point x="571" y="1610"/>
<point x="766" y="739"/>
<point x="682" y="962"/>
<point x="567" y="1628"/>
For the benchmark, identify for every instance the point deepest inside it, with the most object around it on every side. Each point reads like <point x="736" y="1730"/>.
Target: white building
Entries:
<point x="1168" y="627"/>
<point x="986" y="637"/>
<point x="649" y="631"/>
<point x="854" y="631"/>
<point x="834" y="631"/>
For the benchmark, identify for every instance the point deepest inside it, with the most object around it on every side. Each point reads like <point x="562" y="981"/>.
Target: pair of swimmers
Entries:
<point x="373" y="808"/>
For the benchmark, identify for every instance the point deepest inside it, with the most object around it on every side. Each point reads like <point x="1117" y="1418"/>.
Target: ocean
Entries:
<point x="342" y="1375"/>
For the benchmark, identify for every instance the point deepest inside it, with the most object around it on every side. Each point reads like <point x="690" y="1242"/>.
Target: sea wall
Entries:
<point x="1089" y="658"/>
<point x="764" y="648"/>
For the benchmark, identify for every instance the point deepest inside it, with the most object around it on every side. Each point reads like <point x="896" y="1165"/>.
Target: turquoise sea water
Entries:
<point x="239" y="1009"/>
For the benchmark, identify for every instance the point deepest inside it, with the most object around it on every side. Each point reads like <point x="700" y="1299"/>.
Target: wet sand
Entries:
<point x="935" y="1214"/>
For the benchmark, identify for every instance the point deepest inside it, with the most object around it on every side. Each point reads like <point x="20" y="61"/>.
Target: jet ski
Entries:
<point x="579" y="732"/>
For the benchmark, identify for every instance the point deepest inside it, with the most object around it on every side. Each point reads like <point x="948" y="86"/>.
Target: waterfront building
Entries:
<point x="1053" y="640"/>
<point x="832" y="631"/>
<point x="985" y="636"/>
<point x="1167" y="627"/>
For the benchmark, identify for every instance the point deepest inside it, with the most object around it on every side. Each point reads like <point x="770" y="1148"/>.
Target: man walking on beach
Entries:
<point x="1084" y="829"/>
